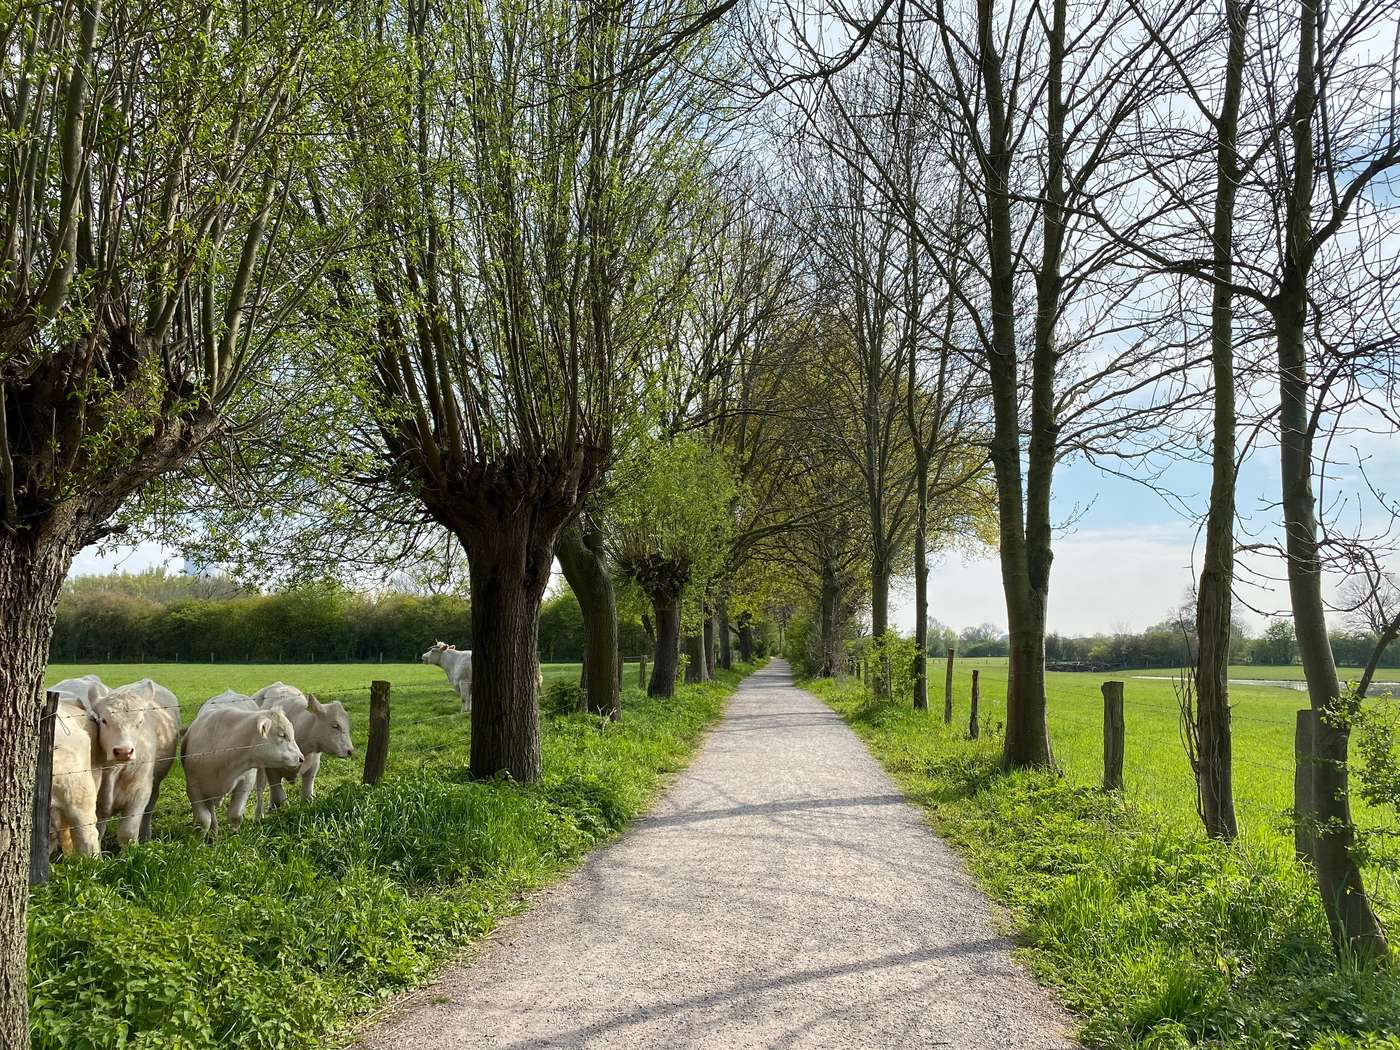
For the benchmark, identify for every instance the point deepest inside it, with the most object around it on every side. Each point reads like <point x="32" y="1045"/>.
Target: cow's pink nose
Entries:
<point x="123" y="753"/>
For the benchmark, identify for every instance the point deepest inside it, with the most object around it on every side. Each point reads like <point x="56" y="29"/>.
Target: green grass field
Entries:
<point x="282" y="935"/>
<point x="1156" y="772"/>
<point x="1155" y="936"/>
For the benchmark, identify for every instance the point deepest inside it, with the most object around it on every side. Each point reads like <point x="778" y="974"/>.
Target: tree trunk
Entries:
<point x="746" y="641"/>
<point x="880" y="620"/>
<point x="579" y="553"/>
<point x="509" y="567"/>
<point x="666" y="609"/>
<point x="1027" y="740"/>
<point x="695" y="666"/>
<point x="1213" y="603"/>
<point x="829" y="640"/>
<point x="726" y="647"/>
<point x="709" y="644"/>
<point x="1353" y="923"/>
<point x="921" y="584"/>
<point x="32" y="571"/>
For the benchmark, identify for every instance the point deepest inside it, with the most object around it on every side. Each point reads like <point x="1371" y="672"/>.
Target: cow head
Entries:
<point x="434" y="655"/>
<point x="121" y="719"/>
<point x="329" y="730"/>
<point x="277" y="741"/>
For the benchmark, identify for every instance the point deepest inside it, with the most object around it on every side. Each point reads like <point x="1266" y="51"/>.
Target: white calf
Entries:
<point x="138" y="727"/>
<point x="224" y="748"/>
<point x="320" y="728"/>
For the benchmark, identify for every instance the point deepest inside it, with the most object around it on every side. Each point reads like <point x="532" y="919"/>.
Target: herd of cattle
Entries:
<point x="112" y="748"/>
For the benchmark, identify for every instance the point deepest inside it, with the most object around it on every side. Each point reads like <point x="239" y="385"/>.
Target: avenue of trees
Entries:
<point x="743" y="311"/>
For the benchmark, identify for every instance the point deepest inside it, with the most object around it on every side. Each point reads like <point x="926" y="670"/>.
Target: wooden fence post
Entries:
<point x="948" y="690"/>
<point x="377" y="750"/>
<point x="972" y="728"/>
<point x="1112" y="736"/>
<point x="1304" y="812"/>
<point x="642" y="673"/>
<point x="43" y="784"/>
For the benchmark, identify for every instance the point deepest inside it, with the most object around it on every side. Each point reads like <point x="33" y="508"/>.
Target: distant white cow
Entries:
<point x="138" y="727"/>
<point x="224" y="748"/>
<point x="77" y="779"/>
<point x="320" y="729"/>
<point x="458" y="665"/>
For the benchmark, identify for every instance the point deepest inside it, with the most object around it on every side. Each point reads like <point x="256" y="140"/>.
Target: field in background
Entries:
<point x="1155" y="769"/>
<point x="425" y="714"/>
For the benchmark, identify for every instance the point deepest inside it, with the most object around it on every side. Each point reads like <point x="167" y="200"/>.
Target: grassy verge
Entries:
<point x="281" y="935"/>
<point x="1154" y="936"/>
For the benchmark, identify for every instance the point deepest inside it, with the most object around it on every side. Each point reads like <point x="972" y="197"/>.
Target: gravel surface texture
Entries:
<point x="782" y="894"/>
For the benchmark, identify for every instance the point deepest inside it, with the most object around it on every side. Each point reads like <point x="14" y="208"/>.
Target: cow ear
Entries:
<point x="264" y="726"/>
<point x="313" y="705"/>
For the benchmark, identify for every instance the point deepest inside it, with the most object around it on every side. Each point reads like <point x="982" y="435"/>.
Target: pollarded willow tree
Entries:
<point x="519" y="167"/>
<point x="151" y="257"/>
<point x="669" y="531"/>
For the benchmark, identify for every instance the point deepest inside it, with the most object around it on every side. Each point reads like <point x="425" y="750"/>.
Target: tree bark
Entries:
<point x="695" y="666"/>
<point x="746" y="638"/>
<point x="920" y="575"/>
<point x="580" y="556"/>
<point x="1353" y="923"/>
<point x="1214" y="597"/>
<point x="726" y="646"/>
<point x="666" y="610"/>
<point x="32" y="569"/>
<point x="709" y="644"/>
<point x="510" y="568"/>
<point x="829" y="639"/>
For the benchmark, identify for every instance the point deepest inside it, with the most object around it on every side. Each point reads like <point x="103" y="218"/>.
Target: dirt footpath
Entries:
<point x="782" y="894"/>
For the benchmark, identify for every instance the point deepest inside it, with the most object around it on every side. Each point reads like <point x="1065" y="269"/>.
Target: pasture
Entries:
<point x="290" y="930"/>
<point x="1154" y="935"/>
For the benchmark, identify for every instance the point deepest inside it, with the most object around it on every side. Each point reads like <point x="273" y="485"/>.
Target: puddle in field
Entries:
<point x="1377" y="688"/>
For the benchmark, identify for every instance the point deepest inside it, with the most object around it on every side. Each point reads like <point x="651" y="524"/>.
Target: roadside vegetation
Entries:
<point x="1153" y="934"/>
<point x="287" y="932"/>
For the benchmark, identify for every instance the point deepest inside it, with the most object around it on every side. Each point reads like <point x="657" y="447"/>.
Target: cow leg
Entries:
<point x="309" y="769"/>
<point x="276" y="791"/>
<point x="206" y="815"/>
<point x="129" y="830"/>
<point x="238" y="800"/>
<point x="258" y="798"/>
<point x="148" y="814"/>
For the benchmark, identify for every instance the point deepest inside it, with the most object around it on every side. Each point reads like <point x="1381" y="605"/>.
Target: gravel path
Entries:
<point x="782" y="894"/>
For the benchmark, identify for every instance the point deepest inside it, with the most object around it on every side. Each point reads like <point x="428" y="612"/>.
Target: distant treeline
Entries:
<point x="1163" y="645"/>
<point x="160" y="617"/>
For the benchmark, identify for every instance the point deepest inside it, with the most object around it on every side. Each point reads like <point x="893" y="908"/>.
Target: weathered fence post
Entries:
<point x="1304" y="811"/>
<point x="1112" y="736"/>
<point x="948" y="690"/>
<point x="43" y="785"/>
<point x="972" y="729"/>
<point x="377" y="750"/>
<point x="642" y="673"/>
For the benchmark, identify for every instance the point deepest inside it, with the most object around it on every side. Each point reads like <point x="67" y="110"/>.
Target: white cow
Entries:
<point x="138" y="727"/>
<point x="224" y="748"/>
<point x="87" y="690"/>
<point x="77" y="780"/>
<point x="320" y="729"/>
<point x="458" y="665"/>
